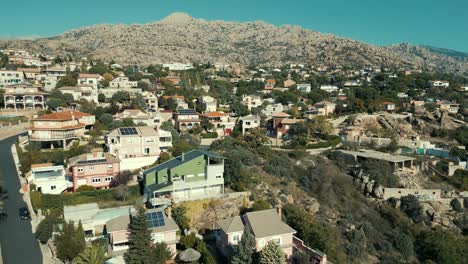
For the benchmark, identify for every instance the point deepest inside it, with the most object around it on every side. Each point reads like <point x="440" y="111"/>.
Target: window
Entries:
<point x="219" y="176"/>
<point x="95" y="180"/>
<point x="147" y="151"/>
<point x="262" y="243"/>
<point x="53" y="187"/>
<point x="158" y="238"/>
<point x="109" y="166"/>
<point x="91" y="168"/>
<point x="109" y="178"/>
<point x="236" y="238"/>
<point x="190" y="175"/>
<point x="80" y="169"/>
<point x="277" y="240"/>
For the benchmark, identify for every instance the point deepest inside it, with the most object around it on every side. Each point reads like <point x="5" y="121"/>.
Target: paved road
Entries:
<point x="18" y="244"/>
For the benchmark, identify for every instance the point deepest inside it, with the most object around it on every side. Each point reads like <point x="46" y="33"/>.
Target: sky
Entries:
<point x="440" y="23"/>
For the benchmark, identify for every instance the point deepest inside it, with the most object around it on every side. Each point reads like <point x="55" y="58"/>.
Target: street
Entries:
<point x="18" y="244"/>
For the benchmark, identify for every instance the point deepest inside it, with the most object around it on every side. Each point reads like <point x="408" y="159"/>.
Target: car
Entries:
<point x="24" y="213"/>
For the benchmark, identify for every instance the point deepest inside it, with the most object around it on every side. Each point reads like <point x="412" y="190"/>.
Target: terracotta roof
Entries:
<point x="67" y="115"/>
<point x="214" y="114"/>
<point x="89" y="75"/>
<point x="280" y="114"/>
<point x="32" y="70"/>
<point x="174" y="97"/>
<point x="291" y="121"/>
<point x="388" y="103"/>
<point x="270" y="81"/>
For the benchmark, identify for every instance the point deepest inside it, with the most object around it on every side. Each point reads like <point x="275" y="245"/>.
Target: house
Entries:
<point x="162" y="226"/>
<point x="208" y="103"/>
<point x="197" y="174"/>
<point x="179" y="99"/>
<point x="274" y="121"/>
<point x="269" y="84"/>
<point x="304" y="87"/>
<point x="49" y="179"/>
<point x="328" y="88"/>
<point x="273" y="108"/>
<point x="109" y="92"/>
<point x="448" y="106"/>
<point x="352" y="83"/>
<point x="122" y="82"/>
<point x="285" y="125"/>
<point x="137" y="147"/>
<point x="265" y="225"/>
<point x="388" y="106"/>
<point x="55" y="71"/>
<point x="439" y="84"/>
<point x="151" y="100"/>
<point x="140" y="117"/>
<point x="92" y="218"/>
<point x="96" y="169"/>
<point x="289" y="83"/>
<point x="249" y="122"/>
<point x="178" y="66"/>
<point x="30" y="73"/>
<point x="402" y="95"/>
<point x="89" y="79"/>
<point x="49" y="82"/>
<point x="251" y="101"/>
<point x="24" y="96"/>
<point x="186" y="119"/>
<point x="60" y="128"/>
<point x="84" y="91"/>
<point x="11" y="77"/>
<point x="323" y="108"/>
<point x="219" y="120"/>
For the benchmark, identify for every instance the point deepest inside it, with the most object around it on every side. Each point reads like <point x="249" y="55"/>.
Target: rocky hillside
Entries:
<point x="181" y="38"/>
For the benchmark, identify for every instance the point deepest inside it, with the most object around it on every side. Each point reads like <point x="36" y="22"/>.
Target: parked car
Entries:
<point x="24" y="213"/>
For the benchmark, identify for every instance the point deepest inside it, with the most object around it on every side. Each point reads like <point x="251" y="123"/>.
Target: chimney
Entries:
<point x="169" y="212"/>
<point x="182" y="157"/>
<point x="279" y="210"/>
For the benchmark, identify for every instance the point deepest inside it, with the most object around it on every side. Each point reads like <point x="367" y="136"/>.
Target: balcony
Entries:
<point x="54" y="135"/>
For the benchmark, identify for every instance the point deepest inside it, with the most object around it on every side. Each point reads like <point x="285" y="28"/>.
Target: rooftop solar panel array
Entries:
<point x="155" y="219"/>
<point x="128" y="131"/>
<point x="187" y="111"/>
<point x="92" y="161"/>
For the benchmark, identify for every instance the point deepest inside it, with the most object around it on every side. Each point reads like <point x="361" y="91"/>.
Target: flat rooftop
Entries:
<point x="372" y="154"/>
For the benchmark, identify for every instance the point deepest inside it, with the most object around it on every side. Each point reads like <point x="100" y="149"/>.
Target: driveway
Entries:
<point x="18" y="244"/>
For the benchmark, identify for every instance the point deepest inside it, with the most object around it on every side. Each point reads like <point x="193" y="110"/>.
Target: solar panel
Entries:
<point x="128" y="131"/>
<point x="155" y="219"/>
<point x="187" y="111"/>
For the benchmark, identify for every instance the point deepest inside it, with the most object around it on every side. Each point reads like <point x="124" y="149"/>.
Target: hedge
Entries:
<point x="210" y="135"/>
<point x="58" y="201"/>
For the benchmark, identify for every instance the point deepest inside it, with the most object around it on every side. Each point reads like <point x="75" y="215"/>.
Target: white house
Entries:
<point x="439" y="84"/>
<point x="10" y="77"/>
<point x="87" y="92"/>
<point x="273" y="108"/>
<point x="329" y="88"/>
<point x="251" y="101"/>
<point x="89" y="79"/>
<point x="208" y="103"/>
<point x="178" y="66"/>
<point x="304" y="87"/>
<point x="49" y="179"/>
<point x="122" y="82"/>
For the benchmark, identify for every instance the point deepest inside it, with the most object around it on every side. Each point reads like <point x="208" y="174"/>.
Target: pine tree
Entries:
<point x="272" y="254"/>
<point x="140" y="243"/>
<point x="160" y="253"/>
<point x="70" y="242"/>
<point x="246" y="248"/>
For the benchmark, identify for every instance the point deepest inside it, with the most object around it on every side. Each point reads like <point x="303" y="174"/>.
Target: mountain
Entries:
<point x="181" y="38"/>
<point x="447" y="52"/>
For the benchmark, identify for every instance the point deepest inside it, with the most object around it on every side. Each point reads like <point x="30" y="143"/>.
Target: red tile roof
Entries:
<point x="67" y="115"/>
<point x="214" y="114"/>
<point x="89" y="75"/>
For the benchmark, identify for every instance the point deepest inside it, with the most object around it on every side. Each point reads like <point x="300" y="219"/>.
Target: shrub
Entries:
<point x="85" y="188"/>
<point x="456" y="205"/>
<point x="210" y="135"/>
<point x="36" y="200"/>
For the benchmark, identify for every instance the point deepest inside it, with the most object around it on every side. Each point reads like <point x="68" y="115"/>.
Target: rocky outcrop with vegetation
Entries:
<point x="181" y="38"/>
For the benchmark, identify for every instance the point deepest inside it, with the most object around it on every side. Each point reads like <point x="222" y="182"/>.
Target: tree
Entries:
<point x="70" y="242"/>
<point x="206" y="124"/>
<point x="272" y="254"/>
<point x="121" y="97"/>
<point x="260" y="205"/>
<point x="123" y="178"/>
<point x="45" y="229"/>
<point x="180" y="216"/>
<point x="106" y="118"/>
<point x="246" y="248"/>
<point x="139" y="102"/>
<point x="121" y="192"/>
<point x="410" y="206"/>
<point x="139" y="243"/>
<point x="67" y="80"/>
<point x="160" y="253"/>
<point x="404" y="243"/>
<point x="96" y="254"/>
<point x="101" y="98"/>
<point x="456" y="205"/>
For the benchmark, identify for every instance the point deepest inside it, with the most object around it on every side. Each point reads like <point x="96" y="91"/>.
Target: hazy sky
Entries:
<point x="441" y="23"/>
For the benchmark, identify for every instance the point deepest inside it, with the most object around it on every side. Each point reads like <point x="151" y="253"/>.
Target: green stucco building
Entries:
<point x="196" y="174"/>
